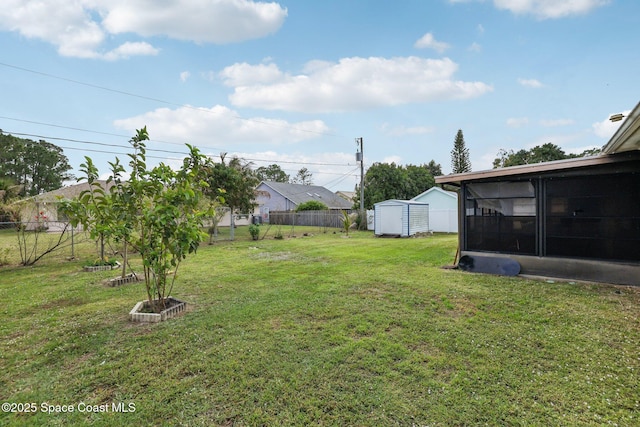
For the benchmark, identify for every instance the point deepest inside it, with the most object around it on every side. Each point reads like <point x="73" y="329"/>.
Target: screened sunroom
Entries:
<point x="576" y="218"/>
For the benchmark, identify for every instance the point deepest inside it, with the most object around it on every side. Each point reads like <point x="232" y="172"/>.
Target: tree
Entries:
<point x="235" y="181"/>
<point x="271" y="173"/>
<point x="460" y="161"/>
<point x="158" y="210"/>
<point x="303" y="177"/>
<point x="420" y="180"/>
<point x="35" y="166"/>
<point x="542" y="153"/>
<point x="434" y="168"/>
<point x="384" y="181"/>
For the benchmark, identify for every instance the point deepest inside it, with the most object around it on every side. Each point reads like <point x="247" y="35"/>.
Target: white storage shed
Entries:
<point x="401" y="218"/>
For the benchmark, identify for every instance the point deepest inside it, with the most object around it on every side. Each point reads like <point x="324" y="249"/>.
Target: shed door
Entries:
<point x="391" y="220"/>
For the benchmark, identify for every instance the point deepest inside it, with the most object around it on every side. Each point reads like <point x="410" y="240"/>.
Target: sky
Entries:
<point x="297" y="82"/>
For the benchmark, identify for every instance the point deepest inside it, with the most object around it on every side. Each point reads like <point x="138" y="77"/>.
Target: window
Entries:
<point x="501" y="217"/>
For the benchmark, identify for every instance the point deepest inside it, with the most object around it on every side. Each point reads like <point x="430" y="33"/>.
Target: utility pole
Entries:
<point x="360" y="158"/>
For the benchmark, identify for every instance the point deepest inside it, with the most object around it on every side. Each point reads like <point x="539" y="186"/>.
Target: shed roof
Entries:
<point x="400" y="202"/>
<point x="299" y="193"/>
<point x="451" y="194"/>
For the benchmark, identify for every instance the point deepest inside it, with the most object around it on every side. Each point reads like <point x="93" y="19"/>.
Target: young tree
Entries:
<point x="460" y="161"/>
<point x="158" y="210"/>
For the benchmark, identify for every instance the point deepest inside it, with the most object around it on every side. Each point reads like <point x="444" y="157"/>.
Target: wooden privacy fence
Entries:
<point x="327" y="218"/>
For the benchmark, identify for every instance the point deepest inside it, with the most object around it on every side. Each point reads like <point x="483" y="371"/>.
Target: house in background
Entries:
<point x="281" y="196"/>
<point x="443" y="209"/>
<point x="42" y="210"/>
<point x="576" y="219"/>
<point x="349" y="196"/>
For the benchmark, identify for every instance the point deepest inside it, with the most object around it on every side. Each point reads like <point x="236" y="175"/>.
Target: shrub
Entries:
<point x="312" y="205"/>
<point x="254" y="230"/>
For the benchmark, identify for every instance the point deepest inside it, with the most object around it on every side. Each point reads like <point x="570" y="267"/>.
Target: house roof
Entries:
<point x="451" y="194"/>
<point x="298" y="193"/>
<point x="68" y="192"/>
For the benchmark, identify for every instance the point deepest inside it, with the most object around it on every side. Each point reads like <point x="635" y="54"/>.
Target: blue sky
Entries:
<point x="296" y="82"/>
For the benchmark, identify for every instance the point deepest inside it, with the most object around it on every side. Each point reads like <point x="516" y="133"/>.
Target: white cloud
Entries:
<point x="130" y="49"/>
<point x="205" y="21"/>
<point x="352" y="84"/>
<point x="81" y="28"/>
<point x="429" y="42"/>
<point x="475" y="47"/>
<point x="480" y="29"/>
<point x="549" y="9"/>
<point x="392" y="159"/>
<point x="399" y="131"/>
<point x="606" y="128"/>
<point x="556" y="122"/>
<point x="517" y="122"/>
<point x="218" y="125"/>
<point x="533" y="83"/>
<point x="184" y="76"/>
<point x="245" y="74"/>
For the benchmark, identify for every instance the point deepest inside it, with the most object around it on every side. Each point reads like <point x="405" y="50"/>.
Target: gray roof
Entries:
<point x="298" y="193"/>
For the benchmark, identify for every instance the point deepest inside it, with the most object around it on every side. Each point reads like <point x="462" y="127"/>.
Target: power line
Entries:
<point x="45" y="137"/>
<point x="149" y="98"/>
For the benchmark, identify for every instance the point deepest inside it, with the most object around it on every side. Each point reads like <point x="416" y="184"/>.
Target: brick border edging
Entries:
<point x="134" y="316"/>
<point x="92" y="268"/>
<point x="119" y="281"/>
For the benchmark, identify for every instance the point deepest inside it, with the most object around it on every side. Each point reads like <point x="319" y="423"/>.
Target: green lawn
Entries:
<point x="318" y="330"/>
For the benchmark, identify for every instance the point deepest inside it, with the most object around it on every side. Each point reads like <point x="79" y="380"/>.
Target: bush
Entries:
<point x="254" y="230"/>
<point x="311" y="205"/>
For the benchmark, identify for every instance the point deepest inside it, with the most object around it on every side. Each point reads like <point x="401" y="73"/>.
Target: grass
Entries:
<point x="320" y="329"/>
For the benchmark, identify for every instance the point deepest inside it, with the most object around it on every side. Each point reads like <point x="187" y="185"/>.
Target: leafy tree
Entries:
<point x="303" y="177"/>
<point x="538" y="154"/>
<point x="235" y="181"/>
<point x="384" y="181"/>
<point x="434" y="168"/>
<point x="35" y="166"/>
<point x="460" y="161"/>
<point x="271" y="173"/>
<point x="311" y="205"/>
<point x="9" y="190"/>
<point x="420" y="180"/>
<point x="158" y="210"/>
